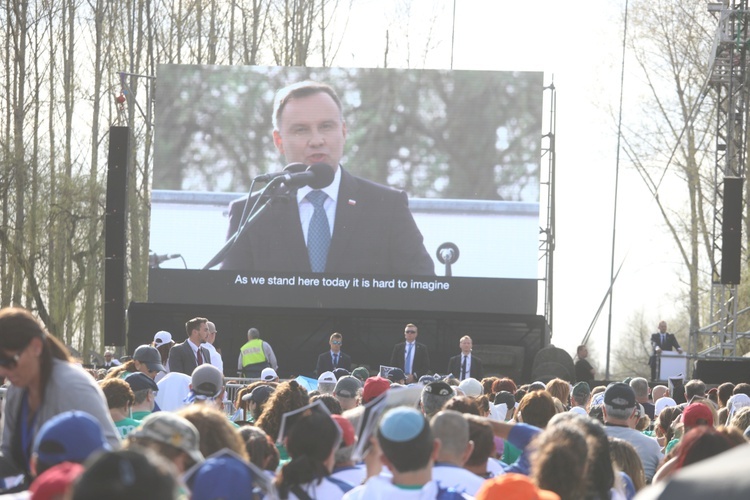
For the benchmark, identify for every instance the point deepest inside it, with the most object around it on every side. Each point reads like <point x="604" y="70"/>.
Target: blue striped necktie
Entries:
<point x="319" y="232"/>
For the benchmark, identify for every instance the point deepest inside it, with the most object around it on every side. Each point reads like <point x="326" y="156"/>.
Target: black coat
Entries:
<point x="374" y="232"/>
<point x="325" y="363"/>
<point x="420" y="365"/>
<point x="476" y="370"/>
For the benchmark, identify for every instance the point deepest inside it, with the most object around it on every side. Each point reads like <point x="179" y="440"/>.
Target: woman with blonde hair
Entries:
<point x="560" y="389"/>
<point x="623" y="455"/>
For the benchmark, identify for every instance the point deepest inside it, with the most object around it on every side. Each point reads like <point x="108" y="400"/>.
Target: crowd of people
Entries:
<point x="143" y="430"/>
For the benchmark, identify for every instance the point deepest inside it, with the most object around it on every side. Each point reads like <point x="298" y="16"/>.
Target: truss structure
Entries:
<point x="728" y="76"/>
<point x="547" y="186"/>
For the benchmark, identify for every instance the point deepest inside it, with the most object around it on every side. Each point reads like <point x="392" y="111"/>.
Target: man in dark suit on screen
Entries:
<point x="411" y="356"/>
<point x="661" y="341"/>
<point x="466" y="365"/>
<point x="350" y="226"/>
<point x="186" y="356"/>
<point x="334" y="358"/>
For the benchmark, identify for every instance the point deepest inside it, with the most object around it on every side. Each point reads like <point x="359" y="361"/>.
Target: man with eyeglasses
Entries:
<point x="411" y="356"/>
<point x="333" y="358"/>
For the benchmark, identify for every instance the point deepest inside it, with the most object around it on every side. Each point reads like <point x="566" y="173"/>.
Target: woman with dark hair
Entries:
<point x="311" y="443"/>
<point x="260" y="448"/>
<point x="44" y="382"/>
<point x="288" y="396"/>
<point x="558" y="461"/>
<point x="602" y="481"/>
<point x="215" y="430"/>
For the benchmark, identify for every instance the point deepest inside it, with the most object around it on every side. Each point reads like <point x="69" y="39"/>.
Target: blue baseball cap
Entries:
<point x="222" y="477"/>
<point x="71" y="436"/>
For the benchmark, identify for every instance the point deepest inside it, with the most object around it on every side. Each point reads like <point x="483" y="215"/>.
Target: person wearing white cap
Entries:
<point x="109" y="361"/>
<point x="163" y="342"/>
<point x="209" y="344"/>
<point x="326" y="383"/>
<point x="269" y="375"/>
<point x="471" y="387"/>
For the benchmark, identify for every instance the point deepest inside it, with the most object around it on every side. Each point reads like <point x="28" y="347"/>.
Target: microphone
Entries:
<point x="317" y="176"/>
<point x="154" y="260"/>
<point x="292" y="168"/>
<point x="447" y="254"/>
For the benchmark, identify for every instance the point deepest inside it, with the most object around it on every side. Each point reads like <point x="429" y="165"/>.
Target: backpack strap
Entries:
<point x="341" y="484"/>
<point x="301" y="494"/>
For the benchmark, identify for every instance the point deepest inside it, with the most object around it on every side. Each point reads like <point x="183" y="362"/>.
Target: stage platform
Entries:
<point x="506" y="343"/>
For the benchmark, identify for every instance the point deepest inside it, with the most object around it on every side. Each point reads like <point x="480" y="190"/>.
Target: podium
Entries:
<point x="672" y="364"/>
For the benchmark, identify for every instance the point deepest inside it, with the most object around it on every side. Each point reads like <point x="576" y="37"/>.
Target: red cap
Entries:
<point x="347" y="429"/>
<point x="374" y="387"/>
<point x="697" y="411"/>
<point x="513" y="487"/>
<point x="55" y="481"/>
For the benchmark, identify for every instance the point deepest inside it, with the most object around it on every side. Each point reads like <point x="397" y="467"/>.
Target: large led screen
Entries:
<point x="401" y="189"/>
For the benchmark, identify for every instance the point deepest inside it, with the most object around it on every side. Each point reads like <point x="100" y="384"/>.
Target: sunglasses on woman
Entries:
<point x="10" y="362"/>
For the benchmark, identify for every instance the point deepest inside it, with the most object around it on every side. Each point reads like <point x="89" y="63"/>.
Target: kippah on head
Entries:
<point x="438" y="388"/>
<point x="361" y="373"/>
<point x="581" y="389"/>
<point x="402" y="424"/>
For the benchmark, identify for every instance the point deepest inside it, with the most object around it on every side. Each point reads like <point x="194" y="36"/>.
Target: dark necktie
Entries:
<point x="463" y="369"/>
<point x="319" y="232"/>
<point x="335" y="360"/>
<point x="200" y="357"/>
<point x="663" y="339"/>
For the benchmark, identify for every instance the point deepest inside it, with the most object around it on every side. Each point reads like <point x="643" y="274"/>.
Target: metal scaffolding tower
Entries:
<point x="547" y="186"/>
<point x="728" y="75"/>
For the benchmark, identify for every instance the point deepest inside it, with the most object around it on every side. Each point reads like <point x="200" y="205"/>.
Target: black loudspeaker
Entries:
<point x="677" y="389"/>
<point x="114" y="237"/>
<point x="731" y="231"/>
<point x="718" y="371"/>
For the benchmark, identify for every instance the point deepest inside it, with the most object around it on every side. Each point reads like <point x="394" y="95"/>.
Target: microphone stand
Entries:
<point x="275" y="188"/>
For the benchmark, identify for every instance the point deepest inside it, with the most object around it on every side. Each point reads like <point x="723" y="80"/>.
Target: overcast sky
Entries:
<point x="578" y="44"/>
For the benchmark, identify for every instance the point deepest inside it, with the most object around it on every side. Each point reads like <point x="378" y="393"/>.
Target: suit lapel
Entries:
<point x="290" y="245"/>
<point x="346" y="215"/>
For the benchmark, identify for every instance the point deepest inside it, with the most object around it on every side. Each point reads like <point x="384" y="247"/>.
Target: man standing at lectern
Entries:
<point x="350" y="226"/>
<point x="662" y="341"/>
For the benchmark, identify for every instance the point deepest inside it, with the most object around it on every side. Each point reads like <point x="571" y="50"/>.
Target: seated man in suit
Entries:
<point x="465" y="365"/>
<point x="350" y="226"/>
<point x="186" y="356"/>
<point x="661" y="341"/>
<point x="334" y="358"/>
<point x="411" y="356"/>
